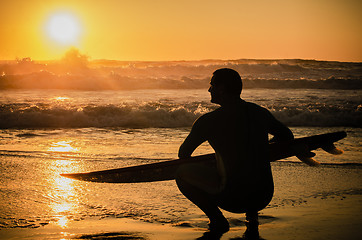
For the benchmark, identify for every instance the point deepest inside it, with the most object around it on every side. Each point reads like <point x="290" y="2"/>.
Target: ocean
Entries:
<point x="113" y="114"/>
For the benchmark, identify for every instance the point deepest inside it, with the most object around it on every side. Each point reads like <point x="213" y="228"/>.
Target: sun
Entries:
<point x="63" y="28"/>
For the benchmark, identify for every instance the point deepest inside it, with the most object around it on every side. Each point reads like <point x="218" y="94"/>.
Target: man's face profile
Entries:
<point x="215" y="91"/>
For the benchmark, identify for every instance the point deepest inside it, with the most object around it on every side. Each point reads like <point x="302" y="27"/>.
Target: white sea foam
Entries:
<point x="161" y="115"/>
<point x="169" y="108"/>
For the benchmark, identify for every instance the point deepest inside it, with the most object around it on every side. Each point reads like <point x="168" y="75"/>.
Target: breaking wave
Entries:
<point x="157" y="115"/>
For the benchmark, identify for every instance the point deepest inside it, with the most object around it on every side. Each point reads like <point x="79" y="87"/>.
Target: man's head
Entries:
<point x="225" y="83"/>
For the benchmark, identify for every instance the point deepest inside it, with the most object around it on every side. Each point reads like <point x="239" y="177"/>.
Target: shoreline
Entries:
<point x="319" y="218"/>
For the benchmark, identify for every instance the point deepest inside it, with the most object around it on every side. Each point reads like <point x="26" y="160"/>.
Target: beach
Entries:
<point x="113" y="87"/>
<point x="335" y="217"/>
<point x="309" y="202"/>
<point x="46" y="132"/>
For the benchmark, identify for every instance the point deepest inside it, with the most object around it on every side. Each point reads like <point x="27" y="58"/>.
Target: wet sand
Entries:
<point x="317" y="218"/>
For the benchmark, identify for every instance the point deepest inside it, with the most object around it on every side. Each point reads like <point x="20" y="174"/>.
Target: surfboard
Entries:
<point x="166" y="170"/>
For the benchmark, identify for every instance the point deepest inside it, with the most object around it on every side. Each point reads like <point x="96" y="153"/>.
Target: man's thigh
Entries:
<point x="201" y="176"/>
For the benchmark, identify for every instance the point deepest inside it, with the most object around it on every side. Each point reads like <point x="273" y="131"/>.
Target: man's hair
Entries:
<point x="230" y="79"/>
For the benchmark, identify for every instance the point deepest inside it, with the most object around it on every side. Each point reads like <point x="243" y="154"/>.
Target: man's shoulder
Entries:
<point x="256" y="107"/>
<point x="211" y="115"/>
<point x="209" y="118"/>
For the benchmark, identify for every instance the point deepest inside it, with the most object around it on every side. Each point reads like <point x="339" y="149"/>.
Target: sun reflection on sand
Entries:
<point x="64" y="193"/>
<point x="62" y="146"/>
<point x="62" y="190"/>
<point x="59" y="99"/>
<point x="63" y="222"/>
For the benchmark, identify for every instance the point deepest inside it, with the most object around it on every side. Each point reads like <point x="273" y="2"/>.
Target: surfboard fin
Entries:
<point x="309" y="161"/>
<point x="330" y="148"/>
<point x="305" y="155"/>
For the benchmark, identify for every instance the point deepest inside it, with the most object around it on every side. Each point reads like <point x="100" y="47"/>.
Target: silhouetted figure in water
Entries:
<point x="238" y="131"/>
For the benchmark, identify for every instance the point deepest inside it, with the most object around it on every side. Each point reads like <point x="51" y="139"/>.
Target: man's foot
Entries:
<point x="210" y="236"/>
<point x="251" y="233"/>
<point x="219" y="226"/>
<point x="216" y="229"/>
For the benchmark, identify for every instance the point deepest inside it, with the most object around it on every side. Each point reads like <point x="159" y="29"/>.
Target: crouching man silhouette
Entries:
<point x="241" y="181"/>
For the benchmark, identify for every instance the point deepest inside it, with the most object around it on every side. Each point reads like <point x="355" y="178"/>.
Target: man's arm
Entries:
<point x="283" y="133"/>
<point x="195" y="138"/>
<point x="279" y="130"/>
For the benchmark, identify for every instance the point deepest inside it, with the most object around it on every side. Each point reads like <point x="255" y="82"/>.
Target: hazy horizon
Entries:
<point x="77" y="71"/>
<point x="180" y="60"/>
<point x="91" y="59"/>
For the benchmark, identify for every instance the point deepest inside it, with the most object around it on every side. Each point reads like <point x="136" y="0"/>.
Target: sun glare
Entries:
<point x="63" y="28"/>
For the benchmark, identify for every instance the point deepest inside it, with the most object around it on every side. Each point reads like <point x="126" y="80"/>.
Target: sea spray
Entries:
<point x="119" y="75"/>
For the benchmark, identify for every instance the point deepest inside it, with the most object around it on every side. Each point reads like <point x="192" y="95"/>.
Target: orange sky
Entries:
<point x="187" y="29"/>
